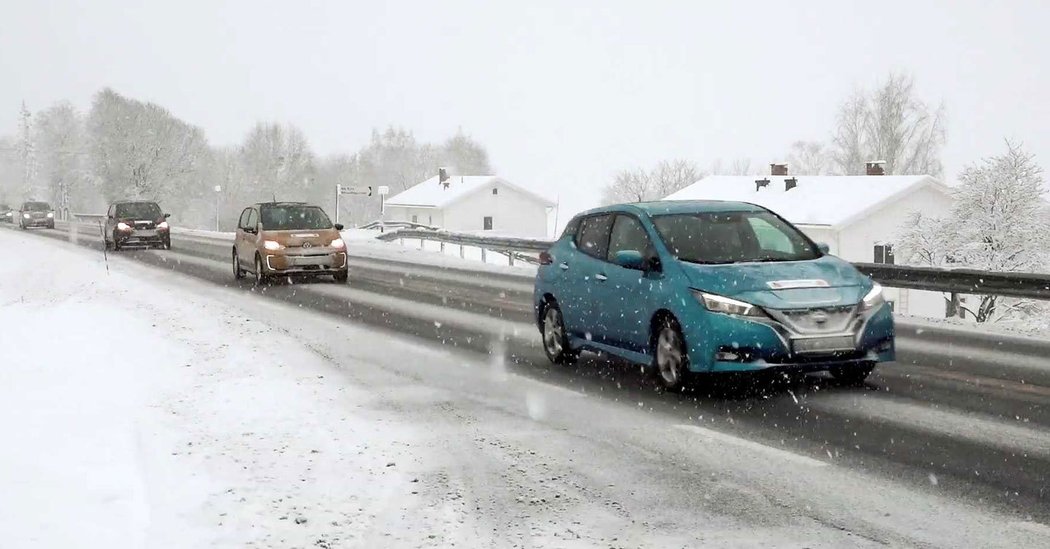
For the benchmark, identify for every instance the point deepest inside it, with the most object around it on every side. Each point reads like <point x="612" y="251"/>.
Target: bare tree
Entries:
<point x="277" y="162"/>
<point x="639" y="185"/>
<point x="808" y="158"/>
<point x="739" y="166"/>
<point x="633" y="185"/>
<point x="890" y="124"/>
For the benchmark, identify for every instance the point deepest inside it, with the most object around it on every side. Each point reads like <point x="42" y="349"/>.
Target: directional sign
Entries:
<point x="367" y="191"/>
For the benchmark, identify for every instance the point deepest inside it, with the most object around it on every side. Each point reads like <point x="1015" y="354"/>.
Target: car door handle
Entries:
<point x="564" y="266"/>
<point x="600" y="277"/>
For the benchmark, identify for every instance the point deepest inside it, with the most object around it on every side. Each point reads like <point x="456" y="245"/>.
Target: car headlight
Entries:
<point x="51" y="214"/>
<point x="163" y="225"/>
<point x="725" y="305"/>
<point x="26" y="216"/>
<point x="873" y="298"/>
<point x="272" y="245"/>
<point x="123" y="226"/>
<point x="338" y="243"/>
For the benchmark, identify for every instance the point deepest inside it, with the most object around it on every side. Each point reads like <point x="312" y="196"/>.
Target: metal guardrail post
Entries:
<point x="483" y="258"/>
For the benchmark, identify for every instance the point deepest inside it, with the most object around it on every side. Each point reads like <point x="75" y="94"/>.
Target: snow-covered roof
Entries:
<point x="431" y="194"/>
<point x="816" y="200"/>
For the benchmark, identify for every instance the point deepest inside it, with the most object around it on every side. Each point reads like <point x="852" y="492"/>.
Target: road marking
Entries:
<point x="1034" y="527"/>
<point x="715" y="436"/>
<point x="551" y="387"/>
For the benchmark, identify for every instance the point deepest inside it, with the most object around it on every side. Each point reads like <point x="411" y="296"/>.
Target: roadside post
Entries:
<point x="383" y="191"/>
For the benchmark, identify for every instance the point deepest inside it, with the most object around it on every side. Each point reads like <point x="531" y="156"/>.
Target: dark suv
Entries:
<point x="36" y="214"/>
<point x="7" y="215"/>
<point x="137" y="222"/>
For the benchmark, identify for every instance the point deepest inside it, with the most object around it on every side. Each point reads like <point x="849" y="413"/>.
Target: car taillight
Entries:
<point x="546" y="258"/>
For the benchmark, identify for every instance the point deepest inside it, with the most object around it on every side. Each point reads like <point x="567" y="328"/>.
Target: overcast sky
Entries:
<point x="562" y="94"/>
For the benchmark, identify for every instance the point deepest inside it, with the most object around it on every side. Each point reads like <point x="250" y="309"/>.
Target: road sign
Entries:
<point x="367" y="191"/>
<point x="383" y="190"/>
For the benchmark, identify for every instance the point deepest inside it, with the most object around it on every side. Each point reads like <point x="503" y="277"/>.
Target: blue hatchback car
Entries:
<point x="707" y="286"/>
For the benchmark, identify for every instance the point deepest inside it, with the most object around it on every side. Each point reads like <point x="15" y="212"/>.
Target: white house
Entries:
<point x="473" y="203"/>
<point x="858" y="217"/>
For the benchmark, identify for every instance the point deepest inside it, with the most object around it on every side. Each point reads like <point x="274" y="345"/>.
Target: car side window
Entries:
<point x="253" y="219"/>
<point x="628" y="234"/>
<point x="243" y="222"/>
<point x="593" y="236"/>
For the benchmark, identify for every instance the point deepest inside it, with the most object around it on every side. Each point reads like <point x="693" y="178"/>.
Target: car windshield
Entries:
<point x="733" y="237"/>
<point x="138" y="210"/>
<point x="294" y="218"/>
<point x="36" y="207"/>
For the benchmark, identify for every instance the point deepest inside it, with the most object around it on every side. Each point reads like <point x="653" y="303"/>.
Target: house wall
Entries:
<point x="513" y="212"/>
<point x="883" y="226"/>
<point x="426" y="216"/>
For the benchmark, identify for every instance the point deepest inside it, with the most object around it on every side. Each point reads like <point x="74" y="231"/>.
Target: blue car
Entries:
<point x="688" y="287"/>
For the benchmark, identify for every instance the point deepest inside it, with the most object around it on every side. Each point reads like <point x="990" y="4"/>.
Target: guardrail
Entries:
<point x="516" y="249"/>
<point x="953" y="281"/>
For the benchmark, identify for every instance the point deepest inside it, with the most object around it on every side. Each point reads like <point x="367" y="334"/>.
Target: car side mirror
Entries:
<point x="167" y="216"/>
<point x="338" y="226"/>
<point x="631" y="259"/>
<point x="824" y="248"/>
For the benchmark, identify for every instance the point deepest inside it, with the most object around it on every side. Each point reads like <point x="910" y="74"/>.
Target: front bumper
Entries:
<point x="38" y="222"/>
<point x="148" y="237"/>
<point x="736" y="344"/>
<point x="315" y="261"/>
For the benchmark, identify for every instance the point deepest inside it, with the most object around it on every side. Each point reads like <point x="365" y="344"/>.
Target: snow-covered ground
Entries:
<point x="132" y="417"/>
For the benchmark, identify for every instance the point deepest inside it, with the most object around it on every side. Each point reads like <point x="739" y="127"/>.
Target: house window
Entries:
<point x="488" y="223"/>
<point x="415" y="219"/>
<point x="495" y="190"/>
<point x="884" y="253"/>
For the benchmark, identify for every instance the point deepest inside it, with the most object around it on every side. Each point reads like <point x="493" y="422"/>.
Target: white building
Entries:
<point x="858" y="217"/>
<point x="473" y="203"/>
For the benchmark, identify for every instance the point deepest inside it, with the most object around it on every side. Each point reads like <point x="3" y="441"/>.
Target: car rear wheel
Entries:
<point x="670" y="359"/>
<point x="260" y="276"/>
<point x="852" y="375"/>
<point x="555" y="336"/>
<point x="238" y="272"/>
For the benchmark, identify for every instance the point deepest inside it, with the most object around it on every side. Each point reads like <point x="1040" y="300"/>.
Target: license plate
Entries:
<point x="145" y="233"/>
<point x="823" y="344"/>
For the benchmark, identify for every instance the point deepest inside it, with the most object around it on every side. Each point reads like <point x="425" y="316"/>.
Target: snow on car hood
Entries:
<point x="826" y="281"/>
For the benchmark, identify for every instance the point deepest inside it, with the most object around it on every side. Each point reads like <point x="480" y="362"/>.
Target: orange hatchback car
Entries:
<point x="288" y="239"/>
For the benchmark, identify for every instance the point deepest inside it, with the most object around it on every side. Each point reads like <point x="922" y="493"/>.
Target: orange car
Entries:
<point x="286" y="239"/>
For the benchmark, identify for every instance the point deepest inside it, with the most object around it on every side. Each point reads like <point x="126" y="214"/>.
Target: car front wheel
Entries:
<point x="555" y="336"/>
<point x="260" y="276"/>
<point x="670" y="359"/>
<point x="342" y="276"/>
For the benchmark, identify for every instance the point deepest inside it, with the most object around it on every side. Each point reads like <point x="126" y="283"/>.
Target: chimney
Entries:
<point x="443" y="177"/>
<point x="790" y="183"/>
<point x="876" y="167"/>
<point x="759" y="183"/>
<point x="778" y="169"/>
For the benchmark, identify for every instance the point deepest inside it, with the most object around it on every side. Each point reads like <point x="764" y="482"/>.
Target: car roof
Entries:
<point x="119" y="202"/>
<point x="661" y="207"/>
<point x="279" y="204"/>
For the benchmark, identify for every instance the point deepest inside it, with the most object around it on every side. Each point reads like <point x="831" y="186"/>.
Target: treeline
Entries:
<point x="124" y="148"/>
<point x="888" y="122"/>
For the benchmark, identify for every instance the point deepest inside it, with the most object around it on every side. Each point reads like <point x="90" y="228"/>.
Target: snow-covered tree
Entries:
<point x="59" y="134"/>
<point x="997" y="223"/>
<point x="277" y="162"/>
<point x="465" y="156"/>
<point x="27" y="152"/>
<point x="139" y="150"/>
<point x="891" y="124"/>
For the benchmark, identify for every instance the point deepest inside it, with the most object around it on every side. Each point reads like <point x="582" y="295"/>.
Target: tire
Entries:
<point x="555" y="336"/>
<point x="51" y="226"/>
<point x="260" y="276"/>
<point x="670" y="357"/>
<point x="238" y="272"/>
<point x="116" y="244"/>
<point x="342" y="276"/>
<point x="167" y="243"/>
<point x="852" y="375"/>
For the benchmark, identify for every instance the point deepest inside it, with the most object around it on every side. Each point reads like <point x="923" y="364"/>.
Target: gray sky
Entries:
<point x="561" y="93"/>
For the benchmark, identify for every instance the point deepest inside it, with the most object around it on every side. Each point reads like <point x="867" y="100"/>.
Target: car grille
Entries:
<point x="144" y="225"/>
<point x="817" y="320"/>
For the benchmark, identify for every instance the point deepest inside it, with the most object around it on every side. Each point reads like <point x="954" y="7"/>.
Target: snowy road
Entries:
<point x="230" y="416"/>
